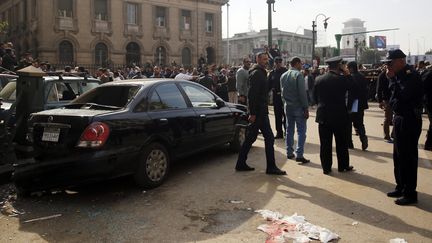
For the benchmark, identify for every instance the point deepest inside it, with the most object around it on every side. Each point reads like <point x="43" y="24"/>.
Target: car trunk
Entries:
<point x="57" y="132"/>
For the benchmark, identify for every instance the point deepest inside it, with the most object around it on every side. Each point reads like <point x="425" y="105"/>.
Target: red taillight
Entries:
<point x="95" y="135"/>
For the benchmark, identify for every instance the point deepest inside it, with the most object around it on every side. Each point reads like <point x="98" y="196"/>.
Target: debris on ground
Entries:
<point x="284" y="228"/>
<point x="43" y="218"/>
<point x="236" y="201"/>
<point x="398" y="240"/>
<point x="355" y="223"/>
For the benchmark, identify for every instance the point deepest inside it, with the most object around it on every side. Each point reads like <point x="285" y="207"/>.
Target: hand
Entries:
<point x="252" y="118"/>
<point x="241" y="98"/>
<point x="306" y="114"/>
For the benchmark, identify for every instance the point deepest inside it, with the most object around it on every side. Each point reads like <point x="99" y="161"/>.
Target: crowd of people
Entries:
<point x="339" y="93"/>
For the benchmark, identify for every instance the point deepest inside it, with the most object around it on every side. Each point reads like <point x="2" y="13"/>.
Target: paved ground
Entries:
<point x="194" y="204"/>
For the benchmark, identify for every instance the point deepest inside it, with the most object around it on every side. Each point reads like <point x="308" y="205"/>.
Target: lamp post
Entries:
<point x="228" y="38"/>
<point x="270" y="9"/>
<point x="314" y="33"/>
<point x="357" y="45"/>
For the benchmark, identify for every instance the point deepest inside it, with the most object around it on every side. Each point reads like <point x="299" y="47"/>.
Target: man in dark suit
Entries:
<point x="361" y="91"/>
<point x="274" y="85"/>
<point x="332" y="114"/>
<point x="258" y="118"/>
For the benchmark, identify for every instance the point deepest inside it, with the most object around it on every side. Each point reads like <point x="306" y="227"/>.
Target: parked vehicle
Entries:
<point x="133" y="127"/>
<point x="5" y="79"/>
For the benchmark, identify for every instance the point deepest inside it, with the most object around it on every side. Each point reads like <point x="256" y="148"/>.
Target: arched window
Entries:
<point x="66" y="52"/>
<point x="133" y="53"/>
<point x="211" y="57"/>
<point x="186" y="56"/>
<point x="160" y="56"/>
<point x="101" y="54"/>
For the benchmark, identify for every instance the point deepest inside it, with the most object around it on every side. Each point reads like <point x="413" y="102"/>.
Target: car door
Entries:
<point x="216" y="122"/>
<point x="172" y="118"/>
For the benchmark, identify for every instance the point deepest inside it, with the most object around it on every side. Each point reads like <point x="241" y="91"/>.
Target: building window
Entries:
<point x="101" y="9"/>
<point x="208" y="22"/>
<point x="132" y="13"/>
<point x="160" y="56"/>
<point x="101" y="54"/>
<point x="133" y="54"/>
<point x="186" y="20"/>
<point x="161" y="17"/>
<point x="186" y="56"/>
<point x="66" y="52"/>
<point x="65" y="8"/>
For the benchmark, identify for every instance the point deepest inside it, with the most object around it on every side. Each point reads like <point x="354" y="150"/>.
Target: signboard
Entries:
<point x="377" y="42"/>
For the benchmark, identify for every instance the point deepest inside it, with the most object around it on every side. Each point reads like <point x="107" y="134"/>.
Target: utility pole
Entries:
<point x="228" y="37"/>
<point x="270" y="9"/>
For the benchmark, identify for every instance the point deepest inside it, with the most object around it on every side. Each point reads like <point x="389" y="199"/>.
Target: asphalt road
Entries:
<point x="205" y="200"/>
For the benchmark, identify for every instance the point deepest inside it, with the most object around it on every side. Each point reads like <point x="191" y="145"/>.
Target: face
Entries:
<point x="397" y="64"/>
<point x="262" y="60"/>
<point x="247" y="63"/>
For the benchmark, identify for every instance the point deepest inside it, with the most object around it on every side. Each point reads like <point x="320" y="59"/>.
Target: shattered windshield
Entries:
<point x="109" y="97"/>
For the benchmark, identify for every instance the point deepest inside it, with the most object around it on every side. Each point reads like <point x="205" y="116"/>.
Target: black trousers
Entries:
<point x="428" y="143"/>
<point x="279" y="113"/>
<point x="326" y="132"/>
<point x="357" y="120"/>
<point x="262" y="123"/>
<point x="405" y="153"/>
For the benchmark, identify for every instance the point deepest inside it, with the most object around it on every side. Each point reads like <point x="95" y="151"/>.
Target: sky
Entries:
<point x="410" y="16"/>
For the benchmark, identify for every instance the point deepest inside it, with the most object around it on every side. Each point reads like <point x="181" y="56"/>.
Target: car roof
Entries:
<point x="143" y="82"/>
<point x="8" y="75"/>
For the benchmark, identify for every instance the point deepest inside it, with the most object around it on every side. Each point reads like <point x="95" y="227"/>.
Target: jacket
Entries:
<point x="330" y="94"/>
<point x="361" y="88"/>
<point x="258" y="91"/>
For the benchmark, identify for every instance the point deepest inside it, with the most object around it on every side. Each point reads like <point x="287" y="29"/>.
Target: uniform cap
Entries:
<point x="333" y="60"/>
<point x="394" y="54"/>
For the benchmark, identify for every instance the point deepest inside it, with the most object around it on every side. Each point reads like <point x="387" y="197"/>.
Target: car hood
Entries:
<point x="237" y="106"/>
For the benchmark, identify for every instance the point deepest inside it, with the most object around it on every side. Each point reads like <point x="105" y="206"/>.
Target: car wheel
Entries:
<point x="239" y="138"/>
<point x="154" y="166"/>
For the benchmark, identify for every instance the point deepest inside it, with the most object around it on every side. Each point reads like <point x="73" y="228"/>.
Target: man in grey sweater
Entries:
<point x="296" y="109"/>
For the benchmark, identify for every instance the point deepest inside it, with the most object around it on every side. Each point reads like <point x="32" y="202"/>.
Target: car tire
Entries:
<point x="153" y="166"/>
<point x="239" y="138"/>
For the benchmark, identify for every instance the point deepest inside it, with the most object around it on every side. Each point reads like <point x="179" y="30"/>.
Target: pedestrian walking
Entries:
<point x="232" y="90"/>
<point x="406" y="100"/>
<point x="296" y="109"/>
<point x="242" y="77"/>
<point x="383" y="97"/>
<point x="332" y="114"/>
<point x="274" y="84"/>
<point x="357" y="117"/>
<point x="258" y="118"/>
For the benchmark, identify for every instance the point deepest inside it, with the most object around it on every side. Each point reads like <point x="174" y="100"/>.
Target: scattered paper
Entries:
<point x="355" y="223"/>
<point x="282" y="228"/>
<point x="43" y="218"/>
<point x="398" y="240"/>
<point x="236" y="201"/>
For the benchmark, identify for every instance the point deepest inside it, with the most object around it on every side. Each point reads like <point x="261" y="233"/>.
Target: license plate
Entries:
<point x="51" y="134"/>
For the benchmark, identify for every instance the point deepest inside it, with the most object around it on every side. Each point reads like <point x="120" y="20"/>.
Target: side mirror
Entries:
<point x="220" y="103"/>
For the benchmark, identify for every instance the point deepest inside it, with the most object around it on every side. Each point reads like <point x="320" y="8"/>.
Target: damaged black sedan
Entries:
<point x="135" y="127"/>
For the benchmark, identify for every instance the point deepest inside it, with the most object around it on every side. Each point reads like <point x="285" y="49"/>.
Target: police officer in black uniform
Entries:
<point x="274" y="85"/>
<point x="332" y="114"/>
<point x="258" y="118"/>
<point x="406" y="100"/>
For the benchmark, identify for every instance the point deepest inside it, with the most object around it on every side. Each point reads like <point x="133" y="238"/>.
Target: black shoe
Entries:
<point x="428" y="147"/>
<point x="302" y="160"/>
<point x="364" y="146"/>
<point x="292" y="156"/>
<point x="327" y="172"/>
<point x="244" y="168"/>
<point x="351" y="146"/>
<point x="405" y="201"/>
<point x="349" y="168"/>
<point x="395" y="194"/>
<point x="276" y="172"/>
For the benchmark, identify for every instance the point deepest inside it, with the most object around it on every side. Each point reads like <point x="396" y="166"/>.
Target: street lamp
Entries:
<point x="270" y="9"/>
<point x="314" y="32"/>
<point x="357" y="44"/>
<point x="228" y="38"/>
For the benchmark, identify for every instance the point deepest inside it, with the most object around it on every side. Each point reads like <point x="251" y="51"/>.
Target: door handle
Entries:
<point x="163" y="121"/>
<point x="203" y="116"/>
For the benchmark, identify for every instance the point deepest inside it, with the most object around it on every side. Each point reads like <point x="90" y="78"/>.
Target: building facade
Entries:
<point x="353" y="25"/>
<point x="121" y="32"/>
<point x="247" y="44"/>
